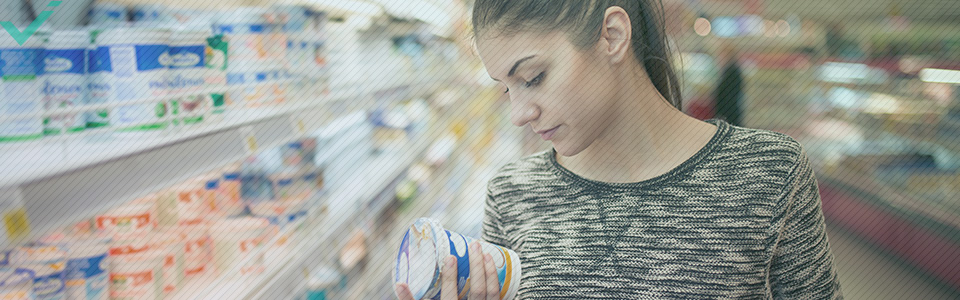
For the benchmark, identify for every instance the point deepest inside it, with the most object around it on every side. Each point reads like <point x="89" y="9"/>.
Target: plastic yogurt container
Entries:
<point x="197" y="250"/>
<point x="20" y="89"/>
<point x="107" y="13"/>
<point x="423" y="249"/>
<point x="128" y="220"/>
<point x="65" y="79"/>
<point x="16" y="284"/>
<point x="187" y="74"/>
<point x="49" y="264"/>
<point x="137" y="276"/>
<point x="170" y="244"/>
<point x="87" y="264"/>
<point x="132" y="66"/>
<point x="236" y="240"/>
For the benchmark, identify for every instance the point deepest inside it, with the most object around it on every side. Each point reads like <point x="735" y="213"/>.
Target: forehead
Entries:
<point x="499" y="53"/>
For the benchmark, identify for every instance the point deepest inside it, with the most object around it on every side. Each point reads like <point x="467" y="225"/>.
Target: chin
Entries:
<point x="566" y="149"/>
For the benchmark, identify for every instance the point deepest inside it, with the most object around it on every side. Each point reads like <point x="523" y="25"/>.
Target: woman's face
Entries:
<point x="563" y="92"/>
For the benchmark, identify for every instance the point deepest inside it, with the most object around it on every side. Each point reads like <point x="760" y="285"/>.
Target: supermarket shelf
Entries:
<point x="285" y="277"/>
<point x="66" y="180"/>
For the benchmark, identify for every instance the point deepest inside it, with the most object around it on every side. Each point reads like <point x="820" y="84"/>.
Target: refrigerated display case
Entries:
<point x="271" y="183"/>
<point x="887" y="155"/>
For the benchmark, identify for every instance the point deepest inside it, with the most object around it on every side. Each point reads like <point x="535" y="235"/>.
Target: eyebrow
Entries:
<point x="517" y="65"/>
<point x="513" y="70"/>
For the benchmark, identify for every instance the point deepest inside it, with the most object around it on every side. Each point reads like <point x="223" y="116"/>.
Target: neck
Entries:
<point x="646" y="138"/>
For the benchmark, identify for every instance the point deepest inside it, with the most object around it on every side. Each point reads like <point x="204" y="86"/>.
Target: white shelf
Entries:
<point x="288" y="266"/>
<point x="65" y="180"/>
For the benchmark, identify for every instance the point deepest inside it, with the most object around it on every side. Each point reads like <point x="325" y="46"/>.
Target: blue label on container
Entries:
<point x="71" y="61"/>
<point x="90" y="273"/>
<point x="50" y="287"/>
<point x="148" y="57"/>
<point x="86" y="267"/>
<point x="184" y="57"/>
<point x="52" y="88"/>
<point x="460" y="249"/>
<point x="20" y="276"/>
<point x="99" y="60"/>
<point x="21" y="62"/>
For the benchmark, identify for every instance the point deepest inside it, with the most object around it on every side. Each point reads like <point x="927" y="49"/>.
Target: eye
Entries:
<point x="535" y="81"/>
<point x="507" y="91"/>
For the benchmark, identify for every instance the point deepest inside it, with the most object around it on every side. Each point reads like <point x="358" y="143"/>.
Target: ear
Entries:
<point x="616" y="34"/>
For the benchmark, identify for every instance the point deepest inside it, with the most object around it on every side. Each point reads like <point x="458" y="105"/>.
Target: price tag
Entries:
<point x="249" y="139"/>
<point x="300" y="126"/>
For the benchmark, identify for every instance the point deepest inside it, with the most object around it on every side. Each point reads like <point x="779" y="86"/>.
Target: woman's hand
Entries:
<point x="483" y="283"/>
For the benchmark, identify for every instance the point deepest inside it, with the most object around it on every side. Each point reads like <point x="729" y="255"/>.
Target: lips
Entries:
<point x="548" y="134"/>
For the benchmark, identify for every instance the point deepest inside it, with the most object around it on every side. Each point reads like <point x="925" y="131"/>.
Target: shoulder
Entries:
<point x="759" y="147"/>
<point x="521" y="174"/>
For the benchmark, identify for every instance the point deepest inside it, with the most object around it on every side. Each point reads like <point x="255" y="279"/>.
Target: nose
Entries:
<point x="524" y="112"/>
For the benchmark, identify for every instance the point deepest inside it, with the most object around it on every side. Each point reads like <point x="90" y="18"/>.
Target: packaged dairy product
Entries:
<point x="16" y="284"/>
<point x="171" y="244"/>
<point x="153" y="13"/>
<point x="133" y="219"/>
<point x="186" y="60"/>
<point x="228" y="194"/>
<point x="280" y="212"/>
<point x="197" y="250"/>
<point x="65" y="79"/>
<point x="424" y="248"/>
<point x="235" y="241"/>
<point x="87" y="264"/>
<point x="49" y="266"/>
<point x="130" y="64"/>
<point x="98" y="86"/>
<point x="217" y="64"/>
<point x="108" y="14"/>
<point x="20" y="89"/>
<point x="136" y="276"/>
<point x="247" y="29"/>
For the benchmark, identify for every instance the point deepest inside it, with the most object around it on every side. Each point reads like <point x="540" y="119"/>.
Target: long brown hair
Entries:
<point x="582" y="20"/>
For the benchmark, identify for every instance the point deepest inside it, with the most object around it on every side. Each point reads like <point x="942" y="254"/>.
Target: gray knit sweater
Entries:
<point x="741" y="219"/>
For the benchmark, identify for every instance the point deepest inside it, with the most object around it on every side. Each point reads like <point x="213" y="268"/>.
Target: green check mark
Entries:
<point x="22" y="36"/>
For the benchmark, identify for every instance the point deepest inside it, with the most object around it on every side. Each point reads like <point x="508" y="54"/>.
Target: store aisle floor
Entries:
<point x="869" y="274"/>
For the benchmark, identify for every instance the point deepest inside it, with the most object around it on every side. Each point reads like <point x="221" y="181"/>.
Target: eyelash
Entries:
<point x="535" y="82"/>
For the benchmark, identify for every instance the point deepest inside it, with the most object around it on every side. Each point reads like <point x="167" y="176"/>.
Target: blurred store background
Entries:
<point x="257" y="149"/>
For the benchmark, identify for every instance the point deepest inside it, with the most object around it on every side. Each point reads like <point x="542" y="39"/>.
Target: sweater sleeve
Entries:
<point x="492" y="228"/>
<point x="802" y="264"/>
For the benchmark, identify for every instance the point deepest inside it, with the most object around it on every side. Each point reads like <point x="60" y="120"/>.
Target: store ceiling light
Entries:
<point x="940" y="76"/>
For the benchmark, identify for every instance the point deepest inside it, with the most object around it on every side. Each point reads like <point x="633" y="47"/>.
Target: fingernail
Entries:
<point x="488" y="257"/>
<point x="449" y="261"/>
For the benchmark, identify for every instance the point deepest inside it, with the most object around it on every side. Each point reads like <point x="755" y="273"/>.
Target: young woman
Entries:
<point x="636" y="200"/>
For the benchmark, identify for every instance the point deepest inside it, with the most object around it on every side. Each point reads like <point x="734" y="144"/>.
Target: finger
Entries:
<point x="493" y="281"/>
<point x="448" y="279"/>
<point x="403" y="291"/>
<point x="478" y="281"/>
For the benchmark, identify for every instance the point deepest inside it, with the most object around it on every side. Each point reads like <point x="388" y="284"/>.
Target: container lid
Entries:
<point x="10" y="277"/>
<point x="417" y="262"/>
<point x="24" y="255"/>
<point x="231" y="176"/>
<point x="190" y="36"/>
<point x="129" y="209"/>
<point x="212" y="184"/>
<point x="135" y="35"/>
<point x="69" y="39"/>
